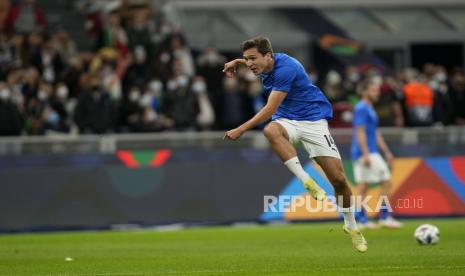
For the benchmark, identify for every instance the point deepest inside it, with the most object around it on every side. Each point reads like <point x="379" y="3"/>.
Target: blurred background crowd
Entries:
<point x="142" y="76"/>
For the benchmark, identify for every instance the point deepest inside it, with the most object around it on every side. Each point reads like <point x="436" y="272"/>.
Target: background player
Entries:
<point x="369" y="166"/>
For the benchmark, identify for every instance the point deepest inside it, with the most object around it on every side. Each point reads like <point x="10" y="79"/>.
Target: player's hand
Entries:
<point x="366" y="160"/>
<point x="233" y="134"/>
<point x="389" y="158"/>
<point x="230" y="69"/>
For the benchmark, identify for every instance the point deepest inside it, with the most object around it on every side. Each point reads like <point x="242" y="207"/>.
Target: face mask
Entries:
<point x="5" y="94"/>
<point x="333" y="78"/>
<point x="172" y="85"/>
<point x="146" y="100"/>
<point x="165" y="29"/>
<point x="441" y="77"/>
<point x="199" y="87"/>
<point x="62" y="92"/>
<point x="134" y="95"/>
<point x="155" y="86"/>
<point x="42" y="95"/>
<point x="53" y="118"/>
<point x="140" y="54"/>
<point x="377" y="80"/>
<point x="183" y="81"/>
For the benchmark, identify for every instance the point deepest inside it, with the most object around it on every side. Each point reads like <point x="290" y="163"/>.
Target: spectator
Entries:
<point x="26" y="17"/>
<point x="95" y="110"/>
<point x="457" y="95"/>
<point x="333" y="87"/>
<point x="180" y="103"/>
<point x="232" y="104"/>
<point x="64" y="45"/>
<point x="47" y="60"/>
<point x="389" y="105"/>
<point x="30" y="83"/>
<point x="131" y="112"/>
<point x="4" y="10"/>
<point x="11" y="122"/>
<point x="138" y="72"/>
<point x="418" y="99"/>
<point x="181" y="53"/>
<point x="113" y="35"/>
<point x="210" y="65"/>
<point x="206" y="116"/>
<point x="139" y="34"/>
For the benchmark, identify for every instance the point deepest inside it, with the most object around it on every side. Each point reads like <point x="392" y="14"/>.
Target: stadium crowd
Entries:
<point x="143" y="77"/>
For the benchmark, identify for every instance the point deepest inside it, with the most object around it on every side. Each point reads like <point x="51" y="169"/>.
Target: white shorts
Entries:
<point x="314" y="136"/>
<point x="377" y="172"/>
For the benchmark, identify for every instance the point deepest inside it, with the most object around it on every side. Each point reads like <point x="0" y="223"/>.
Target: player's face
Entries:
<point x="257" y="62"/>
<point x="372" y="92"/>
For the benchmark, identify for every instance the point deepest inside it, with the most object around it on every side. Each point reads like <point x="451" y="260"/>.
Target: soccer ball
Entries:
<point x="427" y="234"/>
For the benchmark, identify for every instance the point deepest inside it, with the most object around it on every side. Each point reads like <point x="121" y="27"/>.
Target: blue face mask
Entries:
<point x="53" y="118"/>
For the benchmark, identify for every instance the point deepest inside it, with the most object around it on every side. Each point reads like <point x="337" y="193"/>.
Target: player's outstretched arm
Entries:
<point x="230" y="67"/>
<point x="274" y="100"/>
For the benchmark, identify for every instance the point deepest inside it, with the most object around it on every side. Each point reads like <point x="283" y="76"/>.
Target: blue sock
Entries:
<point x="383" y="212"/>
<point x="361" y="216"/>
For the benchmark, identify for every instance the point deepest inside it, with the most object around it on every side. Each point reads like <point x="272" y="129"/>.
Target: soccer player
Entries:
<point x="299" y="112"/>
<point x="369" y="166"/>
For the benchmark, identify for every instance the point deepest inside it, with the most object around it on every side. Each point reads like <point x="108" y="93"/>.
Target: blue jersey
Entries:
<point x="304" y="101"/>
<point x="365" y="116"/>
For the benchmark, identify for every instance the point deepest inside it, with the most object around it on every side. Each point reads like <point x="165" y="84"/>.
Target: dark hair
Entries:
<point x="364" y="85"/>
<point x="263" y="45"/>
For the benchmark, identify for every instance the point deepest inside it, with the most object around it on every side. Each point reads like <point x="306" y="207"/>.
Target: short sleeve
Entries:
<point x="284" y="78"/>
<point x="360" y="117"/>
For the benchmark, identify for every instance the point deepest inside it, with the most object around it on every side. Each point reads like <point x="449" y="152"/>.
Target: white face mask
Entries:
<point x="172" y="85"/>
<point x="134" y="95"/>
<point x="5" y="94"/>
<point x="140" y="54"/>
<point x="199" y="87"/>
<point x="62" y="92"/>
<point x="146" y="100"/>
<point x="42" y="95"/>
<point x="155" y="86"/>
<point x="183" y="81"/>
<point x="441" y="77"/>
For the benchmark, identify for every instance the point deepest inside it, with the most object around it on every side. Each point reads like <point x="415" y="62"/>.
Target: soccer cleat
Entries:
<point x="390" y="222"/>
<point x="315" y="191"/>
<point x="358" y="241"/>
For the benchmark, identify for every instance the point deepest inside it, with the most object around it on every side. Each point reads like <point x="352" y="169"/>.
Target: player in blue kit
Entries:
<point x="369" y="166"/>
<point x="300" y="114"/>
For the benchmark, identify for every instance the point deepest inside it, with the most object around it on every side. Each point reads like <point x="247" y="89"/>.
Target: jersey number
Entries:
<point x="330" y="140"/>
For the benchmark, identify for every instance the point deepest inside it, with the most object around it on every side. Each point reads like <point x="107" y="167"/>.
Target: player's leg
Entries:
<point x="385" y="216"/>
<point x="334" y="171"/>
<point x="279" y="138"/>
<point x="362" y="191"/>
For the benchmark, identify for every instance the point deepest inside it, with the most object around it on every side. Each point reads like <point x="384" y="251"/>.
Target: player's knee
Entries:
<point x="339" y="181"/>
<point x="271" y="132"/>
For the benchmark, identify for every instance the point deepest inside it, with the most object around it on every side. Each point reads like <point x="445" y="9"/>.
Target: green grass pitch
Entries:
<point x="296" y="249"/>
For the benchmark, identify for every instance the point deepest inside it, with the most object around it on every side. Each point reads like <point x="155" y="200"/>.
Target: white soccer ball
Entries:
<point x="427" y="234"/>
